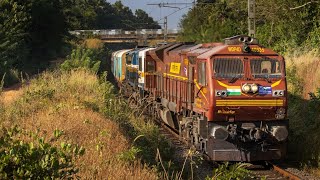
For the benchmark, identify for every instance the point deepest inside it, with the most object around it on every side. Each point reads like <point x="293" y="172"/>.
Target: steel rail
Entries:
<point x="284" y="172"/>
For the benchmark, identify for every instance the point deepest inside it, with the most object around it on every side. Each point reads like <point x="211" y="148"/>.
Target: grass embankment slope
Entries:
<point x="303" y="75"/>
<point x="73" y="105"/>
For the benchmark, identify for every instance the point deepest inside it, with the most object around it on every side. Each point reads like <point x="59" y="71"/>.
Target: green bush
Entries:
<point x="35" y="159"/>
<point x="82" y="58"/>
<point x="227" y="172"/>
<point x="304" y="118"/>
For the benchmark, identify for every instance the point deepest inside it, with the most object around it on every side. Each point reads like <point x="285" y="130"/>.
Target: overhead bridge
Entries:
<point x="140" y="36"/>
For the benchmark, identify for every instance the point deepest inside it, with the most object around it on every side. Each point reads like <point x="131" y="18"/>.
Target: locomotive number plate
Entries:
<point x="234" y="49"/>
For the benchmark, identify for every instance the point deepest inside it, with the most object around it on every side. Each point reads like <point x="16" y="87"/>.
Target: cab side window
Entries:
<point x="140" y="63"/>
<point x="202" y="73"/>
<point x="151" y="67"/>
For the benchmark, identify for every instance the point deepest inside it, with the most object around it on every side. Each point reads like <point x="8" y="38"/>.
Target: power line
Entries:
<point x="171" y="5"/>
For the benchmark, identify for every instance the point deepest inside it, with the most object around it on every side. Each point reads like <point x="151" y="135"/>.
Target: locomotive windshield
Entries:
<point x="234" y="68"/>
<point x="265" y="68"/>
<point x="228" y="68"/>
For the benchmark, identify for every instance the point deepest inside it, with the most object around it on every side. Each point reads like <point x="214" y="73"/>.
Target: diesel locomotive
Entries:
<point x="228" y="100"/>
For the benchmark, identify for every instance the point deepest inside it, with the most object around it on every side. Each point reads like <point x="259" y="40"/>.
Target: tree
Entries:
<point x="144" y="21"/>
<point x="48" y="29"/>
<point x="14" y="22"/>
<point x="278" y="24"/>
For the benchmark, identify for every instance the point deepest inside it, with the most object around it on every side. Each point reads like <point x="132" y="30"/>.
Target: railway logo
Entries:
<point x="185" y="70"/>
<point x="175" y="68"/>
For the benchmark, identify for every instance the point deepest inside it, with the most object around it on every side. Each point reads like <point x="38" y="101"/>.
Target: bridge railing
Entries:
<point x="117" y="32"/>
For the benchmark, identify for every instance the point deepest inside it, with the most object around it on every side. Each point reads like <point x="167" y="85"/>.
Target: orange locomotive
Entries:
<point x="227" y="99"/>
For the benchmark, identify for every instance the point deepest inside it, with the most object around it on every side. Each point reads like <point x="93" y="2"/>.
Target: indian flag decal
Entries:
<point x="233" y="92"/>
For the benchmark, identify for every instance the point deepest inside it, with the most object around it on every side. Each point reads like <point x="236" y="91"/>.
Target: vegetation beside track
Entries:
<point x="304" y="103"/>
<point x="72" y="103"/>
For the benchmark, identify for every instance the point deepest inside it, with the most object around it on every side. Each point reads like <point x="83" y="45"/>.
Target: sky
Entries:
<point x="174" y="14"/>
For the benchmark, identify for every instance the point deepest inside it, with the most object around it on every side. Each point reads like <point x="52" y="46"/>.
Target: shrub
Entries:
<point x="304" y="121"/>
<point x="36" y="159"/>
<point x="82" y="58"/>
<point x="227" y="172"/>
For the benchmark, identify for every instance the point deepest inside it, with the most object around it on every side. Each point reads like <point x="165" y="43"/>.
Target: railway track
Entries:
<point x="273" y="172"/>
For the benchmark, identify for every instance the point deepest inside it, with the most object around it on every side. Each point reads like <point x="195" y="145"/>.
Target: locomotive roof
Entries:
<point x="157" y="54"/>
<point x="211" y="51"/>
<point x="198" y="51"/>
<point x="116" y="52"/>
<point x="120" y="53"/>
<point x="135" y="51"/>
<point x="145" y="50"/>
<point x="195" y="46"/>
<point x="183" y="48"/>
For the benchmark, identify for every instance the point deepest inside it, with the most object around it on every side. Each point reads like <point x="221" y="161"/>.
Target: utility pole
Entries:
<point x="165" y="24"/>
<point x="252" y="17"/>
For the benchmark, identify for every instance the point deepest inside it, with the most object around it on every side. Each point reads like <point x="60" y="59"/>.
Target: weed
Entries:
<point x="226" y="171"/>
<point x="81" y="58"/>
<point x="36" y="159"/>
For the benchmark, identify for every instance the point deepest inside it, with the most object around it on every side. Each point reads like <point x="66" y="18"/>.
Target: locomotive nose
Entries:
<point x="249" y="109"/>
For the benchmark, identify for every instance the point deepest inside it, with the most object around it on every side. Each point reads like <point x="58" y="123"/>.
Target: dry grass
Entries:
<point x="307" y="65"/>
<point x="93" y="43"/>
<point x="10" y="96"/>
<point x="68" y="102"/>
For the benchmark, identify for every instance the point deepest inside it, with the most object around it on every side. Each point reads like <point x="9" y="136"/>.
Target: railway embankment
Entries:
<point x="58" y="124"/>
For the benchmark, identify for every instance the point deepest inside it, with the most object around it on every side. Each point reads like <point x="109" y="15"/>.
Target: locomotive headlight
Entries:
<point x="221" y="93"/>
<point x="220" y="133"/>
<point x="246" y="88"/>
<point x="281" y="93"/>
<point x="278" y="93"/>
<point x="254" y="88"/>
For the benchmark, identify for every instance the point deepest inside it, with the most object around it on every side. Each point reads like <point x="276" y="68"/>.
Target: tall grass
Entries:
<point x="304" y="66"/>
<point x="304" y="103"/>
<point x="70" y="102"/>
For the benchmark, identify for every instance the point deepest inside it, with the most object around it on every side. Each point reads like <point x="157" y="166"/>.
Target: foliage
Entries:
<point x="295" y="82"/>
<point x="213" y="21"/>
<point x="99" y="14"/>
<point x="82" y="58"/>
<point x="304" y="118"/>
<point x="14" y="22"/>
<point x="33" y="32"/>
<point x="278" y="23"/>
<point x="129" y="155"/>
<point x="229" y="172"/>
<point x="36" y="159"/>
<point x="48" y="29"/>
